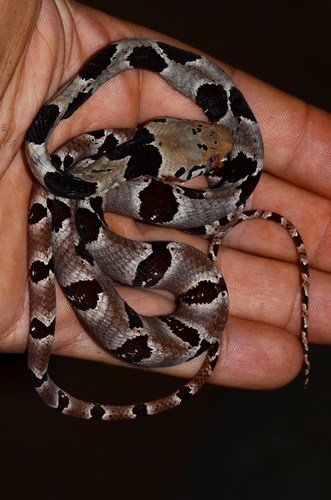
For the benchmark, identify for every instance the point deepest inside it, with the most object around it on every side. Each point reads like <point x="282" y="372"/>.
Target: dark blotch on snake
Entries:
<point x="63" y="401"/>
<point x="110" y="143"/>
<point x="97" y="134"/>
<point x="297" y="239"/>
<point x="178" y="55"/>
<point x="67" y="162"/>
<point x="83" y="253"/>
<point x="195" y="169"/>
<point x="215" y="249"/>
<point x="97" y="412"/>
<point x="213" y="352"/>
<point x="145" y="161"/>
<point x="274" y="217"/>
<point x="98" y="63"/>
<point x="60" y="212"/>
<point x="213" y="100"/>
<point x="67" y="186"/>
<point x="239" y="105"/>
<point x="141" y="138"/>
<point x="42" y="124"/>
<point x="83" y="294"/>
<point x="164" y="209"/>
<point x="247" y="187"/>
<point x="152" y="269"/>
<point x="193" y="194"/>
<point x="37" y="213"/>
<point x="223" y="222"/>
<point x="214" y="348"/>
<point x="203" y="347"/>
<point x="180" y="172"/>
<point x="39" y="330"/>
<point x="213" y="363"/>
<point x="184" y="393"/>
<point x="38" y="381"/>
<point x="80" y="98"/>
<point x="183" y="331"/>
<point x="147" y="58"/>
<point x="56" y="161"/>
<point x="39" y="270"/>
<point x="60" y="164"/>
<point x="134" y="350"/>
<point x="88" y="224"/>
<point x="96" y="205"/>
<point x="205" y="292"/>
<point x="140" y="410"/>
<point x="133" y="317"/>
<point x="240" y="167"/>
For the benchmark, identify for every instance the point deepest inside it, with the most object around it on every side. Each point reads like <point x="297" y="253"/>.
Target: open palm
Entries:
<point x="261" y="347"/>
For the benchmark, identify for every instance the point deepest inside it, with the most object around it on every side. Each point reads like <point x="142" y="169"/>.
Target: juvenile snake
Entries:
<point x="139" y="173"/>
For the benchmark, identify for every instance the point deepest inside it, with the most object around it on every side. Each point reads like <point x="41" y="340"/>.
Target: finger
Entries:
<point x="253" y="356"/>
<point x="310" y="213"/>
<point x="297" y="136"/>
<point x="269" y="291"/>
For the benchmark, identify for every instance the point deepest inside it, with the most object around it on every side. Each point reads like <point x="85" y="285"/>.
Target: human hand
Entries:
<point x="260" y="343"/>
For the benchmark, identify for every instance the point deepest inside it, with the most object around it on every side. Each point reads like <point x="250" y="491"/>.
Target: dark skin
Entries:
<point x="261" y="346"/>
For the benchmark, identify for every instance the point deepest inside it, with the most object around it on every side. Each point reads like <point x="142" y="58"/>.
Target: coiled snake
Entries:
<point x="139" y="173"/>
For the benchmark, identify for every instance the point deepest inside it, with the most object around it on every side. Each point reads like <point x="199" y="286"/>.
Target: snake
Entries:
<point x="141" y="173"/>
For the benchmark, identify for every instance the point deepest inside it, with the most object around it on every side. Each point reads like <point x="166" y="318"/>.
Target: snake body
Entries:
<point x="139" y="173"/>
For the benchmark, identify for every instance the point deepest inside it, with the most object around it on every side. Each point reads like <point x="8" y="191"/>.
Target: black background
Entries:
<point x="228" y="444"/>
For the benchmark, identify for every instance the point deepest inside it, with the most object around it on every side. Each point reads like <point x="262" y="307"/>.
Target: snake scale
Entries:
<point x="140" y="173"/>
